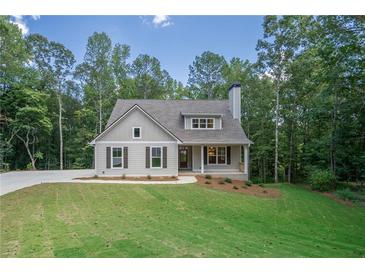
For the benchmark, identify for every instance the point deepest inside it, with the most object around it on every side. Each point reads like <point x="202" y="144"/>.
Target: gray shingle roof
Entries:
<point x="168" y="113"/>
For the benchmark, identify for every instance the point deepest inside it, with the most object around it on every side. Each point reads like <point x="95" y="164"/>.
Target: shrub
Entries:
<point x="248" y="183"/>
<point x="322" y="180"/>
<point x="257" y="181"/>
<point x="264" y="191"/>
<point x="123" y="176"/>
<point x="95" y="176"/>
<point x="346" y="194"/>
<point x="261" y="185"/>
<point x="173" y="177"/>
<point x="207" y="182"/>
<point x="228" y="180"/>
<point x="208" y="176"/>
<point x="244" y="186"/>
<point x="149" y="177"/>
<point x="221" y="182"/>
<point x="234" y="187"/>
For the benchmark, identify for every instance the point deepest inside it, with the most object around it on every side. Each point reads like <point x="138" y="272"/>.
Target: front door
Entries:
<point x="183" y="157"/>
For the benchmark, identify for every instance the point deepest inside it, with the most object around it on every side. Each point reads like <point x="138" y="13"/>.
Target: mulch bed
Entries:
<point x="238" y="186"/>
<point x="120" y="178"/>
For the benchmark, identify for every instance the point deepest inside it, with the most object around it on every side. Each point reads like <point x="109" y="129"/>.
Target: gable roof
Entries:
<point x="168" y="114"/>
<point x="135" y="106"/>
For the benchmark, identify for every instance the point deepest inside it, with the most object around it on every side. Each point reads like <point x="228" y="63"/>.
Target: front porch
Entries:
<point x="224" y="160"/>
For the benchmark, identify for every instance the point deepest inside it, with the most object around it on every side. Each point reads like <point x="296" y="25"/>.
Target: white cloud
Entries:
<point x="36" y="17"/>
<point x="161" y="21"/>
<point x="19" y="21"/>
<point x="22" y="24"/>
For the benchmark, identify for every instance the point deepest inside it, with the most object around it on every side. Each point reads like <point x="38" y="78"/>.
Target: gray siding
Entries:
<point x="121" y="136"/>
<point x="234" y="166"/>
<point x="123" y="131"/>
<point x="136" y="160"/>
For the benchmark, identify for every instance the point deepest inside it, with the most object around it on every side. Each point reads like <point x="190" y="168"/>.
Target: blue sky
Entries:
<point x="174" y="40"/>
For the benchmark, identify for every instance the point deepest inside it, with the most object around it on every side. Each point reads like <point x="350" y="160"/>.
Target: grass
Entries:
<point x="94" y="220"/>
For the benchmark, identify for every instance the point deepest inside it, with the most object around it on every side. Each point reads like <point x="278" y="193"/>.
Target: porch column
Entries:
<point x="246" y="160"/>
<point x="201" y="159"/>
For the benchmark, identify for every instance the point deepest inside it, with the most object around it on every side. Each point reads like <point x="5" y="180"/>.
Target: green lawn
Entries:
<point x="94" y="220"/>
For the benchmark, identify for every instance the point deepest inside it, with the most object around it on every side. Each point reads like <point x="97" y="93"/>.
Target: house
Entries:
<point x="171" y="137"/>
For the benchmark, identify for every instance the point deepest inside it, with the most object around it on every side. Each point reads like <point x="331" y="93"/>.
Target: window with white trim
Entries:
<point x="156" y="157"/>
<point x="202" y="123"/>
<point x="117" y="157"/>
<point x="137" y="133"/>
<point x="217" y="155"/>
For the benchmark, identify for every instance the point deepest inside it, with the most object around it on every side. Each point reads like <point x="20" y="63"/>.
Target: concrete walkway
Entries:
<point x="180" y="180"/>
<point x="12" y="181"/>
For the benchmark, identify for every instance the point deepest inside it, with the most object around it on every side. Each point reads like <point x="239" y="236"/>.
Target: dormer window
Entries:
<point x="202" y="123"/>
<point x="137" y="133"/>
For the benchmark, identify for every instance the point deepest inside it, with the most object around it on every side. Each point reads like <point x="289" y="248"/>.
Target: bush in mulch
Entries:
<point x="248" y="183"/>
<point x="149" y="177"/>
<point x="235" y="187"/>
<point x="346" y="194"/>
<point x="123" y="176"/>
<point x="221" y="182"/>
<point x="228" y="180"/>
<point x="207" y="182"/>
<point x="208" y="176"/>
<point x="244" y="186"/>
<point x="261" y="185"/>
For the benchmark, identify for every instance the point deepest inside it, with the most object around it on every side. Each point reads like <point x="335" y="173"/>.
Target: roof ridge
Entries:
<point x="204" y="100"/>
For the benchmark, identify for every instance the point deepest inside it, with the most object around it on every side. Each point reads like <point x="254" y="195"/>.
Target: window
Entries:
<point x="137" y="133"/>
<point x="195" y="123"/>
<point x="117" y="157"/>
<point x="210" y="123"/>
<point x="156" y="157"/>
<point x="203" y="123"/>
<point x="217" y="155"/>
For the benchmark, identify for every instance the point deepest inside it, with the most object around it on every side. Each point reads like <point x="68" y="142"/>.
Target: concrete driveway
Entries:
<point x="11" y="181"/>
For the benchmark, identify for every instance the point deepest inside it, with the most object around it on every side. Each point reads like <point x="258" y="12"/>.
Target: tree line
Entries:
<point x="302" y="101"/>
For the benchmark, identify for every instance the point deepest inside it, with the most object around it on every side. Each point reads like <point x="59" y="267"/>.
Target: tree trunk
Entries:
<point x="60" y="129"/>
<point x="100" y="113"/>
<point x="26" y="144"/>
<point x="277" y="134"/>
<point x="333" y="135"/>
<point x="290" y="153"/>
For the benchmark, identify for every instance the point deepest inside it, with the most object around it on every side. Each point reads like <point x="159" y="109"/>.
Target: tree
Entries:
<point x="206" y="76"/>
<point x="96" y="77"/>
<point x="31" y="119"/>
<point x="14" y="57"/>
<point x="150" y="80"/>
<point x="55" y="63"/>
<point x="276" y="52"/>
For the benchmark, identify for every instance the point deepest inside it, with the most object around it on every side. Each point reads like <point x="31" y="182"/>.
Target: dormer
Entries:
<point x="202" y="121"/>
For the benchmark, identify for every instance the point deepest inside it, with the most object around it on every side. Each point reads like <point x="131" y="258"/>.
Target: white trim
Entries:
<point x="192" y="157"/>
<point x="189" y="114"/>
<point x="220" y="123"/>
<point x="206" y="123"/>
<point x="111" y="158"/>
<point x="137" y="142"/>
<point x="216" y="156"/>
<point x="161" y="157"/>
<point x="216" y="143"/>
<point x="202" y="159"/>
<point x="121" y="117"/>
<point x="140" y="133"/>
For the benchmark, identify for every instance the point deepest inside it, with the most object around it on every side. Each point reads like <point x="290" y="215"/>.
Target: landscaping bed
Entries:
<point x="239" y="186"/>
<point x="127" y="178"/>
